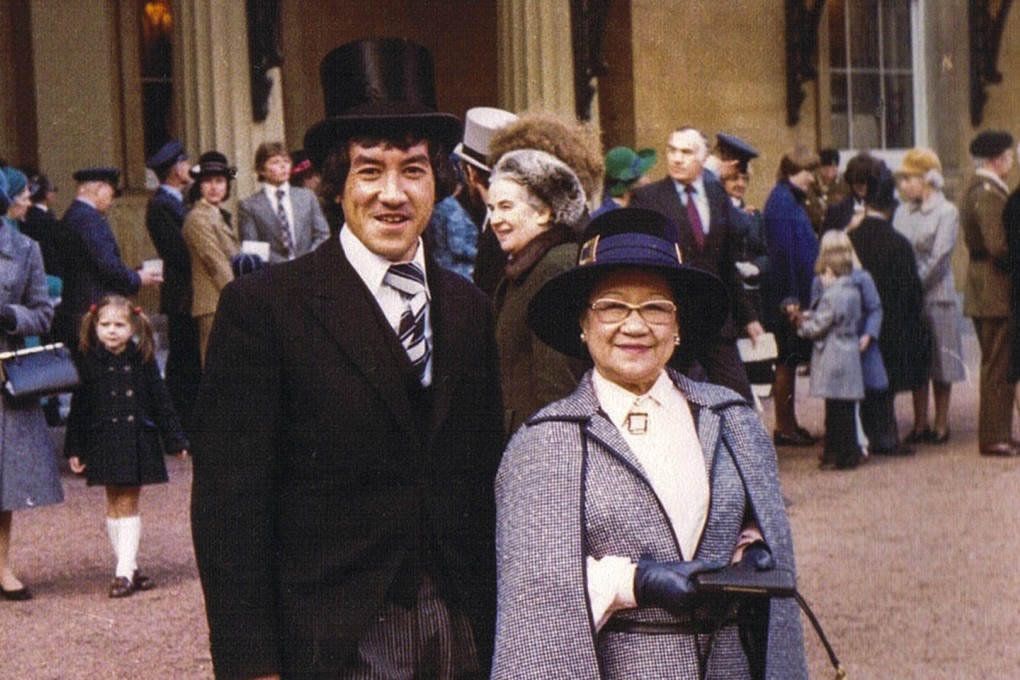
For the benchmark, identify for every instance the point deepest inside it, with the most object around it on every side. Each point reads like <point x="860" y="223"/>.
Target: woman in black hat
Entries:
<point x="210" y="239"/>
<point x="535" y="201"/>
<point x="610" y="501"/>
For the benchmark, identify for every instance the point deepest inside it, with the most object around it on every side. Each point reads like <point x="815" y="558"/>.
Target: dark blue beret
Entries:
<point x="169" y="153"/>
<point x="99" y="173"/>
<point x="990" y="143"/>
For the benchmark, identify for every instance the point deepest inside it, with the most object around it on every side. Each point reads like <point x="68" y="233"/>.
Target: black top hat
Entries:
<point x="990" y="143"/>
<point x="627" y="238"/>
<point x="212" y="163"/>
<point x="168" y="154"/>
<point x="733" y="148"/>
<point x="379" y="86"/>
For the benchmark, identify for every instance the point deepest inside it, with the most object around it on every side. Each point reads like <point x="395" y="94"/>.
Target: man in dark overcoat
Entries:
<point x="709" y="241"/>
<point x="342" y="507"/>
<point x="92" y="265"/>
<point x="164" y="219"/>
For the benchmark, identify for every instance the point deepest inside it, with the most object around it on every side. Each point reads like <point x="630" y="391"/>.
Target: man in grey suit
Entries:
<point x="288" y="218"/>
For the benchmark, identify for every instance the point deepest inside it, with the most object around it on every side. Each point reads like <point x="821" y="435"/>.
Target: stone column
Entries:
<point x="215" y="90"/>
<point x="536" y="63"/>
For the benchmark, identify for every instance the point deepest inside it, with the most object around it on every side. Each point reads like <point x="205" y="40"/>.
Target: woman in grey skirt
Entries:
<point x="931" y="224"/>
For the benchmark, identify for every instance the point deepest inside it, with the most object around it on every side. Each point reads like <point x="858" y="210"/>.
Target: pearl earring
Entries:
<point x="583" y="339"/>
<point x="676" y="339"/>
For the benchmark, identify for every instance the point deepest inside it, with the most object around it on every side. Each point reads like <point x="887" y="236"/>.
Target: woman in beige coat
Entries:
<point x="211" y="241"/>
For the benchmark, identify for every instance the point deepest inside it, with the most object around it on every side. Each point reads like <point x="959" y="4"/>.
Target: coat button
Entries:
<point x="113" y="393"/>
<point x="113" y="420"/>
<point x="131" y="419"/>
<point x="129" y="393"/>
<point x="127" y="368"/>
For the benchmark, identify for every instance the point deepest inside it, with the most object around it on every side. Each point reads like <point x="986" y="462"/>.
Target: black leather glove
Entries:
<point x="757" y="556"/>
<point x="8" y="319"/>
<point x="669" y="585"/>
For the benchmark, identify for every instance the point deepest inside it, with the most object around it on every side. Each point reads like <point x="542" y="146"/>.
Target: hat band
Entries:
<point x="631" y="248"/>
<point x="466" y="150"/>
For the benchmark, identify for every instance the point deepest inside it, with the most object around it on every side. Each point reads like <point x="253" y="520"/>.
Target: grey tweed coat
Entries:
<point x="570" y="487"/>
<point x="29" y="473"/>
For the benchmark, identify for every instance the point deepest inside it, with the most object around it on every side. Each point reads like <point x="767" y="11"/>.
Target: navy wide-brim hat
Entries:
<point x="379" y="87"/>
<point x="627" y="238"/>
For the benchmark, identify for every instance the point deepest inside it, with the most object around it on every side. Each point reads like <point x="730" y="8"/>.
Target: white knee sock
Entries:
<point x="113" y="531"/>
<point x="128" y="536"/>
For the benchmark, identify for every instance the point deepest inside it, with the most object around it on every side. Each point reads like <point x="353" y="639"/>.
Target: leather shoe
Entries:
<point x="1000" y="450"/>
<point x="796" y="438"/>
<point x="902" y="449"/>
<point x="937" y="438"/>
<point x="19" y="595"/>
<point x="142" y="582"/>
<point x="923" y="437"/>
<point x="121" y="587"/>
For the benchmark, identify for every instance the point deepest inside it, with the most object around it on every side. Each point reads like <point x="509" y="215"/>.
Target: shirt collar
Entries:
<point x="173" y="191"/>
<point x="617" y="402"/>
<point x="698" y="184"/>
<point x="988" y="174"/>
<point x="271" y="190"/>
<point x="370" y="266"/>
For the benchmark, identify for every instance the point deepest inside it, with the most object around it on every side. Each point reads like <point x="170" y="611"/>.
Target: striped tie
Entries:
<point x="285" y="237"/>
<point x="409" y="280"/>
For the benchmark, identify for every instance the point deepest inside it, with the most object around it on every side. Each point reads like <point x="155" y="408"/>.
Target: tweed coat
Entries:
<point x="836" y="356"/>
<point x="315" y="474"/>
<point x="29" y="474"/>
<point x="872" y="368"/>
<point x="987" y="287"/>
<point x="91" y="268"/>
<point x="570" y="487"/>
<point x="122" y="419"/>
<point x="532" y="374"/>
<point x="211" y="243"/>
<point x="164" y="220"/>
<point x="258" y="221"/>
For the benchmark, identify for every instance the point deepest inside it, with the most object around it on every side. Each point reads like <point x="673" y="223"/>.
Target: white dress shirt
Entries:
<point x="372" y="269"/>
<point x="700" y="201"/>
<point x="270" y="191"/>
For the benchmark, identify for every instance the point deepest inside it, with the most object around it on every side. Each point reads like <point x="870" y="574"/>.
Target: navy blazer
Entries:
<point x="92" y="267"/>
<point x="723" y="244"/>
<point x="315" y="473"/>
<point x="164" y="218"/>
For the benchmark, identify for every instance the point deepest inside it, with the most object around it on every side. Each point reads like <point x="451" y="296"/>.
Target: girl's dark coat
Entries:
<point x="119" y="414"/>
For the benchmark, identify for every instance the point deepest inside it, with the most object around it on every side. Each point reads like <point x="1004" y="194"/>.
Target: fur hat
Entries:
<point x="548" y="179"/>
<point x="919" y="161"/>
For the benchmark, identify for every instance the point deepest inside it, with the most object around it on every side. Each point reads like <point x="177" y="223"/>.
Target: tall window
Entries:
<point x="874" y="65"/>
<point x="157" y="72"/>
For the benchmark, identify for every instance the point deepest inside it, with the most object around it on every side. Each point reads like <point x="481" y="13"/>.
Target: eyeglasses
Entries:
<point x="654" y="312"/>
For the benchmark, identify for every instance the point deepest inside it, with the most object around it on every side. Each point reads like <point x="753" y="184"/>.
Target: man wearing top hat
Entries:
<point x="92" y="265"/>
<point x="480" y="124"/>
<point x="164" y="219"/>
<point x="709" y="230"/>
<point x="349" y="424"/>
<point x="986" y="295"/>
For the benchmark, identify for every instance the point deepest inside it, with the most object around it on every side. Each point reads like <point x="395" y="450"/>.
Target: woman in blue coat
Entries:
<point x="793" y="249"/>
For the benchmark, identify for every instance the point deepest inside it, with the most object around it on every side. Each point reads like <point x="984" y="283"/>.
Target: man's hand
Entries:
<point x="149" y="277"/>
<point x="754" y="331"/>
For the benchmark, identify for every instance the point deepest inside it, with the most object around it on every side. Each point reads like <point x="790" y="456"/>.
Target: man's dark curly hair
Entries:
<point x="337" y="165"/>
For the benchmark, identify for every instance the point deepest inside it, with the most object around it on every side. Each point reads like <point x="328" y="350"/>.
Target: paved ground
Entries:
<point x="911" y="565"/>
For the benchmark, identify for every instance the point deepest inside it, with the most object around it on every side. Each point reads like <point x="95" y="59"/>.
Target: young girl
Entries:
<point x="836" y="372"/>
<point x="118" y="415"/>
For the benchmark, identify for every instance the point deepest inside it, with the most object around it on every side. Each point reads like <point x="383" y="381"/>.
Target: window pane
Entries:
<point x="865" y="129"/>
<point x="899" y="112"/>
<point x="896" y="34"/>
<point x="837" y="35"/>
<point x="840" y="121"/>
<point x="863" y="31"/>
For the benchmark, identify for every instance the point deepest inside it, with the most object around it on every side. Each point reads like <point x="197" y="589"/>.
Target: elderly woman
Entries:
<point x="29" y="476"/>
<point x="793" y="249"/>
<point x="534" y="201"/>
<point x="931" y="224"/>
<point x="211" y="241"/>
<point x="610" y="501"/>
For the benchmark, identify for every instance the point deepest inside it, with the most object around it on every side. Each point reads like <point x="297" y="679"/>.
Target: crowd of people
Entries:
<point x="400" y="472"/>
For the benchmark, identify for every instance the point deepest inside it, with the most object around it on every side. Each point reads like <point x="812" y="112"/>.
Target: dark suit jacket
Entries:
<point x="258" y="221"/>
<point x="314" y="473"/>
<point x="164" y="218"/>
<point x="43" y="227"/>
<point x="722" y="245"/>
<point x="91" y="268"/>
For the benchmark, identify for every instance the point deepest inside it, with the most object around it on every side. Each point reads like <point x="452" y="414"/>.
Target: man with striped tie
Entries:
<point x="349" y="426"/>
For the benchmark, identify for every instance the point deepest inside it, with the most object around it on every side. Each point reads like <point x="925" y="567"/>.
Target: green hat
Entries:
<point x="624" y="167"/>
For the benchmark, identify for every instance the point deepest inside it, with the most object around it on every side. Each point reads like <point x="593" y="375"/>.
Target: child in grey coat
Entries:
<point x="836" y="373"/>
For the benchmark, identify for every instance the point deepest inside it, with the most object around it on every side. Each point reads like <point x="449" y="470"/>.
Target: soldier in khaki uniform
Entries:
<point x="987" y="292"/>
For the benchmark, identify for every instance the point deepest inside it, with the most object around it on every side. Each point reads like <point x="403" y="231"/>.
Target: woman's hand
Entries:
<point x="77" y="467"/>
<point x="865" y="342"/>
<point x="182" y="454"/>
<point x="668" y="584"/>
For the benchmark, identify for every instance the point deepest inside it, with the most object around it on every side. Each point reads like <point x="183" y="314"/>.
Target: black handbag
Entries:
<point x="37" y="372"/>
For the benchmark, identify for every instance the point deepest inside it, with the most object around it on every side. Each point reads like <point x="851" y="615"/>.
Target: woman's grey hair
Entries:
<point x="547" y="179"/>
<point x="935" y="179"/>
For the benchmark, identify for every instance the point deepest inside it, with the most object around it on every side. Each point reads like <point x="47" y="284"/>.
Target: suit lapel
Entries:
<point x="444" y="354"/>
<point x="271" y="218"/>
<point x="350" y="315"/>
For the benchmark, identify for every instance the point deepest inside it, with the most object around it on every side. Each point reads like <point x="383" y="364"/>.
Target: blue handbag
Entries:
<point x="35" y="372"/>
